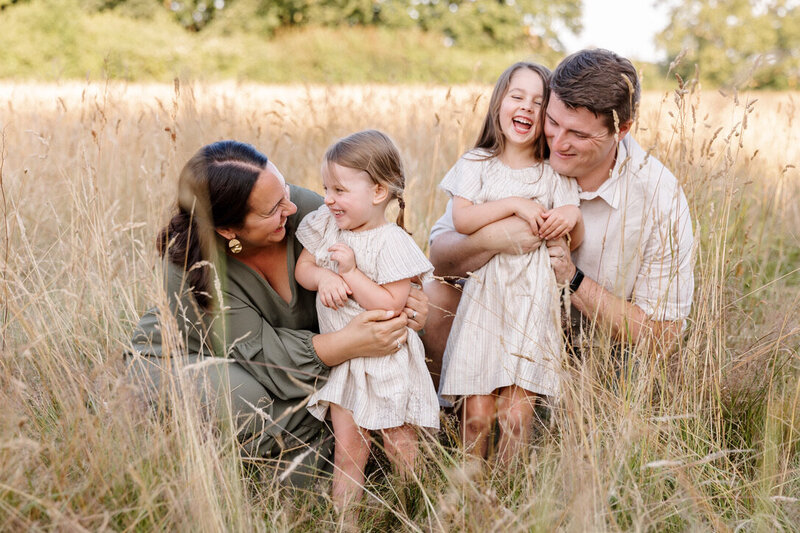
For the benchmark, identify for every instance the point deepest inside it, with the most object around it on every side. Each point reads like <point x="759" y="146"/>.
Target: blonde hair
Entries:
<point x="373" y="152"/>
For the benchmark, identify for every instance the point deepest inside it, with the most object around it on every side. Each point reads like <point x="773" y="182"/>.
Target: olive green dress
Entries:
<point x="271" y="367"/>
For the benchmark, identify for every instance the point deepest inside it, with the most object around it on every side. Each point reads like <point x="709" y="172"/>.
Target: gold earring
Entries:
<point x="235" y="246"/>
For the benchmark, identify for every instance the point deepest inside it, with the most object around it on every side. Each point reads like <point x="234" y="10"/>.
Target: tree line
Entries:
<point x="743" y="43"/>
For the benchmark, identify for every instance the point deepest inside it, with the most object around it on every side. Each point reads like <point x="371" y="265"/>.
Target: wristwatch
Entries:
<point x="576" y="280"/>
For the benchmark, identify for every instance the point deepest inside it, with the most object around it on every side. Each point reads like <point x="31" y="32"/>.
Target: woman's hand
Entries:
<point x="369" y="334"/>
<point x="381" y="333"/>
<point x="416" y="308"/>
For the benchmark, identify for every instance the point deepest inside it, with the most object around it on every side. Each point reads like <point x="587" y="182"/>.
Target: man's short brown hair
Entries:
<point x="602" y="82"/>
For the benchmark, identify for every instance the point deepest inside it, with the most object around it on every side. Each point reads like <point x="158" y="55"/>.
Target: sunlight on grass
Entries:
<point x="706" y="438"/>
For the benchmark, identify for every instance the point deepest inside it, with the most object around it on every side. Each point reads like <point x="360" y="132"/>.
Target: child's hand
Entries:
<point x="333" y="291"/>
<point x="559" y="221"/>
<point x="343" y="254"/>
<point x="531" y="212"/>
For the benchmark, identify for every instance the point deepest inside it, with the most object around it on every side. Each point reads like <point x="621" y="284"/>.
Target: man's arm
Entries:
<point x="454" y="254"/>
<point x="625" y="319"/>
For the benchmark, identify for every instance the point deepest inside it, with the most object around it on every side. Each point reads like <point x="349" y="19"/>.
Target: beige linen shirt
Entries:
<point x="638" y="241"/>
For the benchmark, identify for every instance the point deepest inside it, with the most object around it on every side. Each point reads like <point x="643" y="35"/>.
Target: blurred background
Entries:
<point x="735" y="43"/>
<point x="103" y="101"/>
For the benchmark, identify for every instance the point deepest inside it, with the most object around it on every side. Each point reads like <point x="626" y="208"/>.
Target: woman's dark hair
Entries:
<point x="491" y="136"/>
<point x="213" y="190"/>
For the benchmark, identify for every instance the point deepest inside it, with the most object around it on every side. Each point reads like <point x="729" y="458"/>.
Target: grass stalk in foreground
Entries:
<point x="705" y="438"/>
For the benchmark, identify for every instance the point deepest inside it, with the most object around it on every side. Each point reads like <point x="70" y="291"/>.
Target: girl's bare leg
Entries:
<point x="401" y="448"/>
<point x="349" y="458"/>
<point x="514" y="415"/>
<point x="479" y="413"/>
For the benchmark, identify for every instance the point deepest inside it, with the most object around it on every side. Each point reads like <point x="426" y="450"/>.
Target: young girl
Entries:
<point x="505" y="345"/>
<point x="356" y="260"/>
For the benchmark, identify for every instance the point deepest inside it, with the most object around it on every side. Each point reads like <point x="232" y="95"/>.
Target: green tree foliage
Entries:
<point x="473" y="24"/>
<point x="56" y="39"/>
<point x="470" y="23"/>
<point x="737" y="42"/>
<point x="279" y="40"/>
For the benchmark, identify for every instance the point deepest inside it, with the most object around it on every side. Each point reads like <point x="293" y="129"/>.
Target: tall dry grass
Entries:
<point x="703" y="439"/>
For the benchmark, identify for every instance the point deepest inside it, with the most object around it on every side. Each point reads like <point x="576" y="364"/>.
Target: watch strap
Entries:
<point x="576" y="281"/>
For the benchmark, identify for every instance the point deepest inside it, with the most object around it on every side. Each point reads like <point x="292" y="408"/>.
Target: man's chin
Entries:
<point x="562" y="167"/>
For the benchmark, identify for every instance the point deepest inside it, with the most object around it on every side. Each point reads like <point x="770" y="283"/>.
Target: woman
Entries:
<point x="231" y="246"/>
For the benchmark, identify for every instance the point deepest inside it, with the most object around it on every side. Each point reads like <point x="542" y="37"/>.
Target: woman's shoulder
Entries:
<point x="175" y="283"/>
<point x="305" y="200"/>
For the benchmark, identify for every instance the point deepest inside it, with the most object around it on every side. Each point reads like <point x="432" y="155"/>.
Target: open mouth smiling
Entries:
<point x="522" y="124"/>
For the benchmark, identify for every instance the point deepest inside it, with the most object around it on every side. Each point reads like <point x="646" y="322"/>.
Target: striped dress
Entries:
<point x="381" y="392"/>
<point x="507" y="328"/>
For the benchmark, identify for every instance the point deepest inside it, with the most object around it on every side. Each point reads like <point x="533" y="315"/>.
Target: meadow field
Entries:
<point x="705" y="439"/>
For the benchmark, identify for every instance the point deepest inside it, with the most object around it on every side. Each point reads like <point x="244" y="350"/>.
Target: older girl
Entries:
<point x="505" y="345"/>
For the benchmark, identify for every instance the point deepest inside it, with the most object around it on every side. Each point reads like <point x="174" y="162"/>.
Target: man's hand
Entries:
<point x="455" y="254"/>
<point x="511" y="235"/>
<point x="561" y="260"/>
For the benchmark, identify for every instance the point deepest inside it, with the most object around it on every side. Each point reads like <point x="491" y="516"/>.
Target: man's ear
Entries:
<point x="225" y="233"/>
<point x="624" y="129"/>
<point x="381" y="194"/>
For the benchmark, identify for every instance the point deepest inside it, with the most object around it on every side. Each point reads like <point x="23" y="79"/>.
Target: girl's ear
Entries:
<point x="381" y="194"/>
<point x="225" y="233"/>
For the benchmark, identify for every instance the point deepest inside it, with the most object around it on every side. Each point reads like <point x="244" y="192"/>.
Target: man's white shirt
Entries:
<point x="638" y="242"/>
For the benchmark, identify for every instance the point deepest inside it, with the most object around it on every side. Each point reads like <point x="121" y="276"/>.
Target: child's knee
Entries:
<point x="351" y="444"/>
<point x="515" y="417"/>
<point x="479" y="413"/>
<point x="399" y="438"/>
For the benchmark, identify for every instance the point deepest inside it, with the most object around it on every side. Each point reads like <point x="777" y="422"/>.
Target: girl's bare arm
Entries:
<point x="469" y="217"/>
<point x="367" y="293"/>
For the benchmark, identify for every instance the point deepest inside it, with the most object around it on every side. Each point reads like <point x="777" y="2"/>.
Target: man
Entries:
<point x="633" y="274"/>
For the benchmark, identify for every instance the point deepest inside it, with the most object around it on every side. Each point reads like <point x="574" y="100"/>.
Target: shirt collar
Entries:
<point x="610" y="191"/>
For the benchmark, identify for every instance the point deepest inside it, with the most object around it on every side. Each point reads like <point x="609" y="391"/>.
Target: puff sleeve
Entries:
<point x="400" y="258"/>
<point x="565" y="191"/>
<point x="315" y="229"/>
<point x="465" y="178"/>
